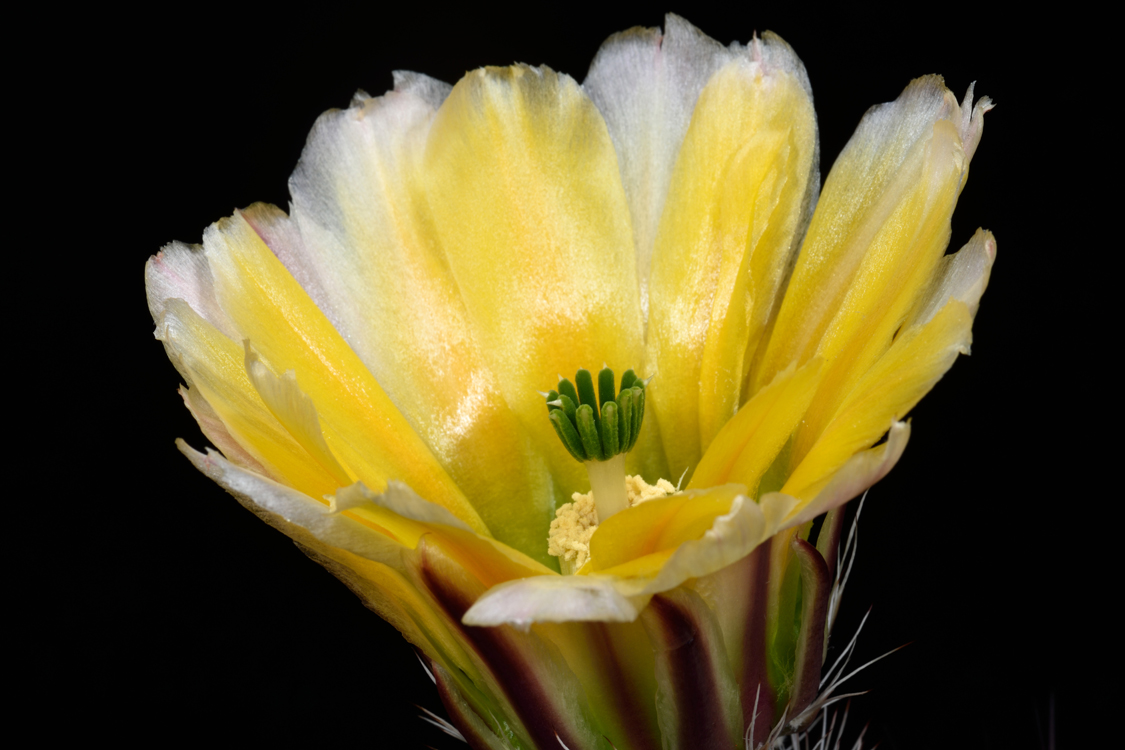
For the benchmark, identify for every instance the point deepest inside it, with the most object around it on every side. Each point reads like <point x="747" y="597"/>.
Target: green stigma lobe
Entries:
<point x="605" y="387"/>
<point x="588" y="431"/>
<point x="566" y="388"/>
<point x="585" y="383"/>
<point x="597" y="426"/>
<point x="567" y="434"/>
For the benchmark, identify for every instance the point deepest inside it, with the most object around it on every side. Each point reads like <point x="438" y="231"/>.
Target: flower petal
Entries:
<point x="880" y="225"/>
<point x="364" y="430"/>
<point x="527" y="200"/>
<point x="296" y="412"/>
<point x="522" y="602"/>
<point x="742" y="191"/>
<point x="658" y="525"/>
<point x="401" y="500"/>
<point x="181" y="271"/>
<point x="962" y="276"/>
<point x="697" y="701"/>
<point x="522" y="670"/>
<point x="299" y="516"/>
<point x="748" y="444"/>
<point x="212" y="426"/>
<point x="734" y="525"/>
<point x="214" y="367"/>
<point x="731" y="537"/>
<point x="861" y="471"/>
<point x="871" y="255"/>
<point x="645" y="84"/>
<point x="361" y="231"/>
<point x="918" y="359"/>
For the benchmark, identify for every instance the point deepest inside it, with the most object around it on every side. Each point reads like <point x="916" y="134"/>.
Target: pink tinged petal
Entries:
<point x="739" y="595"/>
<point x="213" y="427"/>
<point x="697" y="699"/>
<point x="816" y="585"/>
<point x="961" y="276"/>
<point x="614" y="662"/>
<point x="297" y="515"/>
<point x="181" y="272"/>
<point x="525" y="672"/>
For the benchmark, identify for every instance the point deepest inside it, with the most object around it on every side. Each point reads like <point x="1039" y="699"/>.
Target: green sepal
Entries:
<point x="552" y="397"/>
<point x="611" y="442"/>
<point x="606" y="393"/>
<point x="588" y="431"/>
<point x="567" y="434"/>
<point x="625" y="418"/>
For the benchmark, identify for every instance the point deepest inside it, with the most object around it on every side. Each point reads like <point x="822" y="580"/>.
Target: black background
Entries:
<point x="985" y="549"/>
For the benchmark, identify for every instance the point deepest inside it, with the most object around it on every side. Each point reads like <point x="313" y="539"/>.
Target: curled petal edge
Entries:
<point x="397" y="498"/>
<point x="859" y="473"/>
<point x="294" y="513"/>
<point x="596" y="598"/>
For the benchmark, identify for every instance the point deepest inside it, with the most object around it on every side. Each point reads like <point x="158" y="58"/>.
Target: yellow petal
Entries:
<point x="645" y="82"/>
<point x="740" y="195"/>
<point x="749" y="443"/>
<point x="658" y="526"/>
<point x="361" y="426"/>
<point x="527" y="200"/>
<point x="215" y="368"/>
<point x="367" y="234"/>
<point x="296" y="411"/>
<point x="880" y="228"/>
<point x="916" y="361"/>
<point x="874" y="247"/>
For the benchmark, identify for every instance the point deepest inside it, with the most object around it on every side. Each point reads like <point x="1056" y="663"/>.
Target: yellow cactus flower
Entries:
<point x="372" y="369"/>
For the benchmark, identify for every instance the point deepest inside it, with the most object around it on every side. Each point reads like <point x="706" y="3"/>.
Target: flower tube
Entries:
<point x="386" y="372"/>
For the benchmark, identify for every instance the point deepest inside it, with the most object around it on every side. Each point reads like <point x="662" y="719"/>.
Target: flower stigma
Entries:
<point x="597" y="429"/>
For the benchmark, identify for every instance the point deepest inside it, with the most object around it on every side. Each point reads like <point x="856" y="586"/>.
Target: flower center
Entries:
<point x="598" y="429"/>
